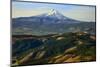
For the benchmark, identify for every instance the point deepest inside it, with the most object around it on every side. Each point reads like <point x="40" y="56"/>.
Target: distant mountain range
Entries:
<point x="49" y="23"/>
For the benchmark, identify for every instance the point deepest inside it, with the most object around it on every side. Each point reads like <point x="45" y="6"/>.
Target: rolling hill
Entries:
<point x="55" y="48"/>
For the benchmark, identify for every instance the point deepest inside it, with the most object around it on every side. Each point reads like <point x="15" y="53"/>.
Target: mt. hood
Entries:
<point x="47" y="23"/>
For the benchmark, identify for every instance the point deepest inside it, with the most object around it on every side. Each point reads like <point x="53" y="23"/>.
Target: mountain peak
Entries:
<point x="52" y="11"/>
<point x="54" y="14"/>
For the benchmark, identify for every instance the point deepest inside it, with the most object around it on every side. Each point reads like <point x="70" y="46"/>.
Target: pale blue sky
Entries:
<point x="24" y="9"/>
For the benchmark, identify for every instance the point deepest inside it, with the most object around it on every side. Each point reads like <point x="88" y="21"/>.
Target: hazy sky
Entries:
<point x="83" y="13"/>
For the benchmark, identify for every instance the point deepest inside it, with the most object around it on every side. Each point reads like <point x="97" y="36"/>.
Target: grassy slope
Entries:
<point x="58" y="48"/>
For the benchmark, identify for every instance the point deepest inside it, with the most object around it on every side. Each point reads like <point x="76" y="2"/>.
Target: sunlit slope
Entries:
<point x="55" y="48"/>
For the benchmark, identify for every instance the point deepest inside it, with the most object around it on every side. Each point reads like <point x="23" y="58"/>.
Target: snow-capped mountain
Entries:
<point x="50" y="22"/>
<point x="53" y="14"/>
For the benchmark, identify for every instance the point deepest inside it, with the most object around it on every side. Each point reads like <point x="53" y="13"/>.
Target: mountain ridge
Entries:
<point x="51" y="22"/>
